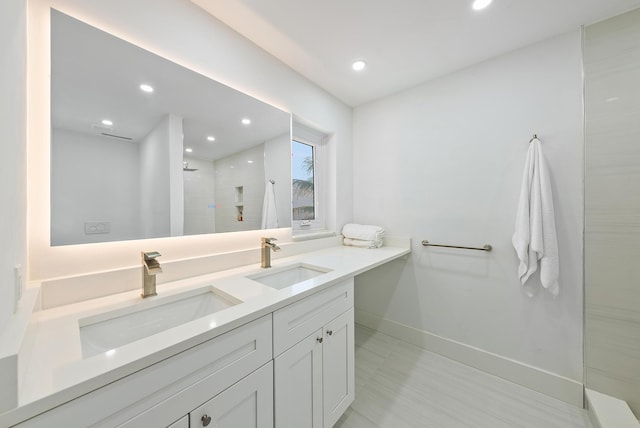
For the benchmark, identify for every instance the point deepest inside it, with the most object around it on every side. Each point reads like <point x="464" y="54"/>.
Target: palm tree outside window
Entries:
<point x="302" y="174"/>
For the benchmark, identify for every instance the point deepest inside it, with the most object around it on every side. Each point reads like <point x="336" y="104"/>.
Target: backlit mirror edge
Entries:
<point x="51" y="262"/>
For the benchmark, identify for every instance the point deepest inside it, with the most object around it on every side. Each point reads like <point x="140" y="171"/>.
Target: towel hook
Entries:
<point x="535" y="137"/>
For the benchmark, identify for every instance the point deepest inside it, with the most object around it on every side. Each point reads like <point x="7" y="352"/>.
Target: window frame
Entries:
<point x="318" y="142"/>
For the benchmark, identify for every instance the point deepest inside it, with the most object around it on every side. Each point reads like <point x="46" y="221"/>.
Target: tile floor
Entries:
<point x="399" y="385"/>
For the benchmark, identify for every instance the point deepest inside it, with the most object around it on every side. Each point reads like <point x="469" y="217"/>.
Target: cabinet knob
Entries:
<point x="319" y="339"/>
<point x="329" y="332"/>
<point x="206" y="420"/>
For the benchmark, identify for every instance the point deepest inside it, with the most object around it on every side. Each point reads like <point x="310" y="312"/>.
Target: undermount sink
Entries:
<point x="111" y="330"/>
<point x="285" y="276"/>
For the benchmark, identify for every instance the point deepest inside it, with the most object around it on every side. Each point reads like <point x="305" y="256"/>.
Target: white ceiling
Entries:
<point x="404" y="42"/>
<point x="95" y="76"/>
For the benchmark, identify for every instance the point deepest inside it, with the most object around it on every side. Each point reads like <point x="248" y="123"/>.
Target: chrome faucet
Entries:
<point x="150" y="268"/>
<point x="265" y="250"/>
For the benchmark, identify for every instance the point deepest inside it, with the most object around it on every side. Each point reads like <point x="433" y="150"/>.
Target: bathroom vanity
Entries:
<point x="276" y="348"/>
<point x="224" y="342"/>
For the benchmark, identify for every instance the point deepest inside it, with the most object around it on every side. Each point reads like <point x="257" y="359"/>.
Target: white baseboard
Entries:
<point x="553" y="385"/>
<point x="609" y="412"/>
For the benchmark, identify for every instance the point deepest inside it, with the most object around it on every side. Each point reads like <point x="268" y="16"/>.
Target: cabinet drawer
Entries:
<point x="229" y="358"/>
<point x="162" y="393"/>
<point x="293" y="323"/>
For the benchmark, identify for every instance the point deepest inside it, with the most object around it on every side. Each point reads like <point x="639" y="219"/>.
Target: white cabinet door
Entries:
<point x="338" y="377"/>
<point x="298" y="384"/>
<point x="314" y="380"/>
<point x="247" y="404"/>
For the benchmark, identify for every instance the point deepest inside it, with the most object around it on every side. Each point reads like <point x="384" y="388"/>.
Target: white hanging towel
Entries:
<point x="269" y="214"/>
<point x="535" y="235"/>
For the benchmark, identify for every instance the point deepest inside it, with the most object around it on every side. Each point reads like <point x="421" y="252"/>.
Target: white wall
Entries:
<point x="444" y="162"/>
<point x="161" y="179"/>
<point x="153" y="156"/>
<point x="277" y="167"/>
<point x="184" y="33"/>
<point x="176" y="176"/>
<point x="13" y="165"/>
<point x="94" y="179"/>
<point x="199" y="197"/>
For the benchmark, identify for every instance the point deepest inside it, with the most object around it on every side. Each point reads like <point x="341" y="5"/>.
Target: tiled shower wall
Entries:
<point x="199" y="197"/>
<point x="243" y="170"/>
<point x="612" y="207"/>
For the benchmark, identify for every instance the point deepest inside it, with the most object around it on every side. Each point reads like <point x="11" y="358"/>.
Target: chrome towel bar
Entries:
<point x="487" y="247"/>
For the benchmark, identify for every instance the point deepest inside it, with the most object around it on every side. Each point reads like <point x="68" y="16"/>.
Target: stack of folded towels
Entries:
<point x="363" y="235"/>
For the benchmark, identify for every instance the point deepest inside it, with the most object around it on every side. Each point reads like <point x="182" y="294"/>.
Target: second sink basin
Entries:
<point x="113" y="329"/>
<point x="285" y="276"/>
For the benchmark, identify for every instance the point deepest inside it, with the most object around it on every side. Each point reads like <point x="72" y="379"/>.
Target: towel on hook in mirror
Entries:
<point x="269" y="212"/>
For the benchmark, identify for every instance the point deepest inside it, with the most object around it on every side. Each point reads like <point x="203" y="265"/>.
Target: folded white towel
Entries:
<point x="360" y="243"/>
<point x="363" y="232"/>
<point x="535" y="235"/>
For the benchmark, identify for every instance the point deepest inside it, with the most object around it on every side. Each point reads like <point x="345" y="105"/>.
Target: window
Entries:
<point x="307" y="148"/>
<point x="302" y="175"/>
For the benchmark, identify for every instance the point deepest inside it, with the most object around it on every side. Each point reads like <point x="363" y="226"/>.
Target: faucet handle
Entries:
<point x="268" y="240"/>
<point x="150" y="255"/>
<point x="150" y="263"/>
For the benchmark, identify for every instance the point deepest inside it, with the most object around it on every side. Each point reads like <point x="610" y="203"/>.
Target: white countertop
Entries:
<point x="56" y="371"/>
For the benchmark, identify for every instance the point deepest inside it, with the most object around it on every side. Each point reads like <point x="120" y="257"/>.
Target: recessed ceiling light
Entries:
<point x="146" y="88"/>
<point x="188" y="150"/>
<point x="107" y="122"/>
<point x="481" y="4"/>
<point x="359" y="65"/>
<point x="250" y="161"/>
<point x="211" y="138"/>
<point x="246" y="121"/>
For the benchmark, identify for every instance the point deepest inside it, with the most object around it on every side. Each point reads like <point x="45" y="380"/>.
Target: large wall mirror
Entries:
<point x="144" y="148"/>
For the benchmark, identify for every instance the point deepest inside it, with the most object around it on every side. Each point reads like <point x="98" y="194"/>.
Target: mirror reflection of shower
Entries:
<point x="185" y="167"/>
<point x="228" y="194"/>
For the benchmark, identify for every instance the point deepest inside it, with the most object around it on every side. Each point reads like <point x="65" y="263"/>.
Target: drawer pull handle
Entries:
<point x="206" y="420"/>
<point x="319" y="339"/>
<point x="330" y="332"/>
